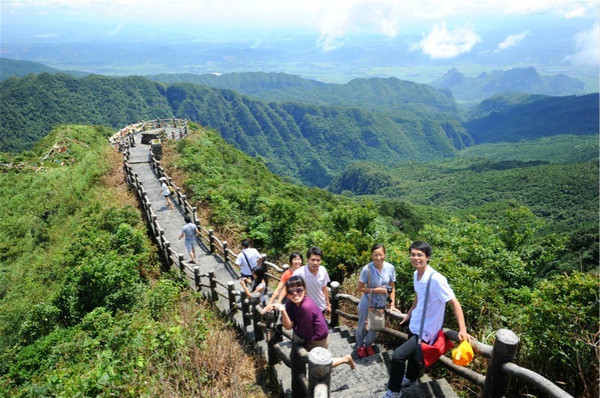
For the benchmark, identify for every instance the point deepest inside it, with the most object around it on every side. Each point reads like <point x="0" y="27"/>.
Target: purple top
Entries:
<point x="309" y="321"/>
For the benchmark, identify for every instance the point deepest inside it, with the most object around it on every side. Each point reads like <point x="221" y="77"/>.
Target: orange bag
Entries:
<point x="463" y="354"/>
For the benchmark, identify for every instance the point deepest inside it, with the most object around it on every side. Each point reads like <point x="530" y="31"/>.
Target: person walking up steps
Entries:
<point x="166" y="192"/>
<point x="190" y="231"/>
<point x="440" y="293"/>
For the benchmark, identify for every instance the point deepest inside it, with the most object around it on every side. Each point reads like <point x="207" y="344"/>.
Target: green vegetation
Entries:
<point x="534" y="118"/>
<point x="498" y="264"/>
<point x="31" y="106"/>
<point x="82" y="312"/>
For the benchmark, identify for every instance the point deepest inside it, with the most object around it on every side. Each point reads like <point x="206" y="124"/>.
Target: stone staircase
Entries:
<point x="368" y="380"/>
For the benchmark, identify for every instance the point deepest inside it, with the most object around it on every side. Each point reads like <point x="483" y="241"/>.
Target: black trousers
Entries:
<point x="402" y="354"/>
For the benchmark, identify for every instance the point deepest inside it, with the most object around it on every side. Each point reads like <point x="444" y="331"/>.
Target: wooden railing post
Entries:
<point x="245" y="312"/>
<point x="180" y="259"/>
<point x="505" y="348"/>
<point x="298" y="368"/>
<point x="197" y="278"/>
<point x="225" y="257"/>
<point x="213" y="287"/>
<point x="319" y="369"/>
<point x="211" y="241"/>
<point x="231" y="296"/>
<point x="256" y="317"/>
<point x="335" y="304"/>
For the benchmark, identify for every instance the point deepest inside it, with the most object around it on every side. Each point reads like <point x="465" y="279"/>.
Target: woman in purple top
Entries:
<point x="302" y="315"/>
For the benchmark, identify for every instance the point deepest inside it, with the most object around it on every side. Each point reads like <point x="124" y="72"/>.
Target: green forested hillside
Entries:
<point x="375" y="94"/>
<point x="535" y="117"/>
<point x="497" y="265"/>
<point x="31" y="106"/>
<point x="248" y="83"/>
<point x="485" y="188"/>
<point x="308" y="143"/>
<point x="11" y="67"/>
<point x="83" y="309"/>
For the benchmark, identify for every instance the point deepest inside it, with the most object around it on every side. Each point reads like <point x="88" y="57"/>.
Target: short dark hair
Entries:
<point x="293" y="255"/>
<point x="314" y="251"/>
<point x="187" y="219"/>
<point x="377" y="246"/>
<point x="246" y="243"/>
<point x="422" y="246"/>
<point x="295" y="280"/>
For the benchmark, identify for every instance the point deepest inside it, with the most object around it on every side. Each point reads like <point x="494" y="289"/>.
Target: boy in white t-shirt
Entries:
<point x="440" y="293"/>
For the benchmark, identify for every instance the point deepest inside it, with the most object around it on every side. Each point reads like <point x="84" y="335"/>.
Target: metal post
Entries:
<point x="225" y="259"/>
<point x="505" y="348"/>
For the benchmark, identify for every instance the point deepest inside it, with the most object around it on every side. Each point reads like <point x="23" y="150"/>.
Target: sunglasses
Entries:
<point x="298" y="290"/>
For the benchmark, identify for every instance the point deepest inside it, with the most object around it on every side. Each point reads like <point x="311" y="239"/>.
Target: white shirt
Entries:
<point x="253" y="256"/>
<point x="314" y="284"/>
<point x="439" y="294"/>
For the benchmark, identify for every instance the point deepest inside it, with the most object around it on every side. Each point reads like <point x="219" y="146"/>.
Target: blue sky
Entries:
<point x="435" y="30"/>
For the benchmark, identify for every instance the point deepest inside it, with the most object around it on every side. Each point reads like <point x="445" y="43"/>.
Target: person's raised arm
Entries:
<point x="276" y="297"/>
<point x="285" y="318"/>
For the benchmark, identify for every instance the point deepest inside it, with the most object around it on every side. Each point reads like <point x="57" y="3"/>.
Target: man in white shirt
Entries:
<point x="316" y="279"/>
<point x="248" y="259"/>
<point x="440" y="293"/>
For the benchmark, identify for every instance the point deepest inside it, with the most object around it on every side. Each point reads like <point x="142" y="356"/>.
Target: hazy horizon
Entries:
<point x="329" y="41"/>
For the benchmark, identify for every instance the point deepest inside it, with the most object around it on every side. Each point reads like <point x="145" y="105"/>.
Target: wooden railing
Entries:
<point x="314" y="383"/>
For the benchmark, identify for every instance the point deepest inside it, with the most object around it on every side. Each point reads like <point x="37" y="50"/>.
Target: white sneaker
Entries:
<point x="391" y="394"/>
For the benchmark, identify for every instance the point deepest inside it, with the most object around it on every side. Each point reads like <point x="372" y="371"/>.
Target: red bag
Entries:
<point x="432" y="353"/>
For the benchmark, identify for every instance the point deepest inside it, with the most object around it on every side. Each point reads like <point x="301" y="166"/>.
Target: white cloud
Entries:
<point x="512" y="40"/>
<point x="444" y="43"/>
<point x="373" y="16"/>
<point x="587" y="44"/>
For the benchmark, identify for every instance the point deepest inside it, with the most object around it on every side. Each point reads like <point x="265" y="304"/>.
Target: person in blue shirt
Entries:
<point x="377" y="283"/>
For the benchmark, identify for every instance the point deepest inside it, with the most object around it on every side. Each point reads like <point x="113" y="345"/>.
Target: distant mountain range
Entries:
<point x="11" y="67"/>
<point x="522" y="80"/>
<point x="304" y="129"/>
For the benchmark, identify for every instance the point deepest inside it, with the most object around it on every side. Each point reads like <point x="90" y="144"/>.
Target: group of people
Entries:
<point x="304" y="289"/>
<point x="307" y="304"/>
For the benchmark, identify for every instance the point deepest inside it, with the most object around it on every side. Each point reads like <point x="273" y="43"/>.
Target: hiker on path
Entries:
<point x="440" y="293"/>
<point x="190" y="231"/>
<point x="248" y="259"/>
<point x="166" y="192"/>
<point x="302" y="315"/>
